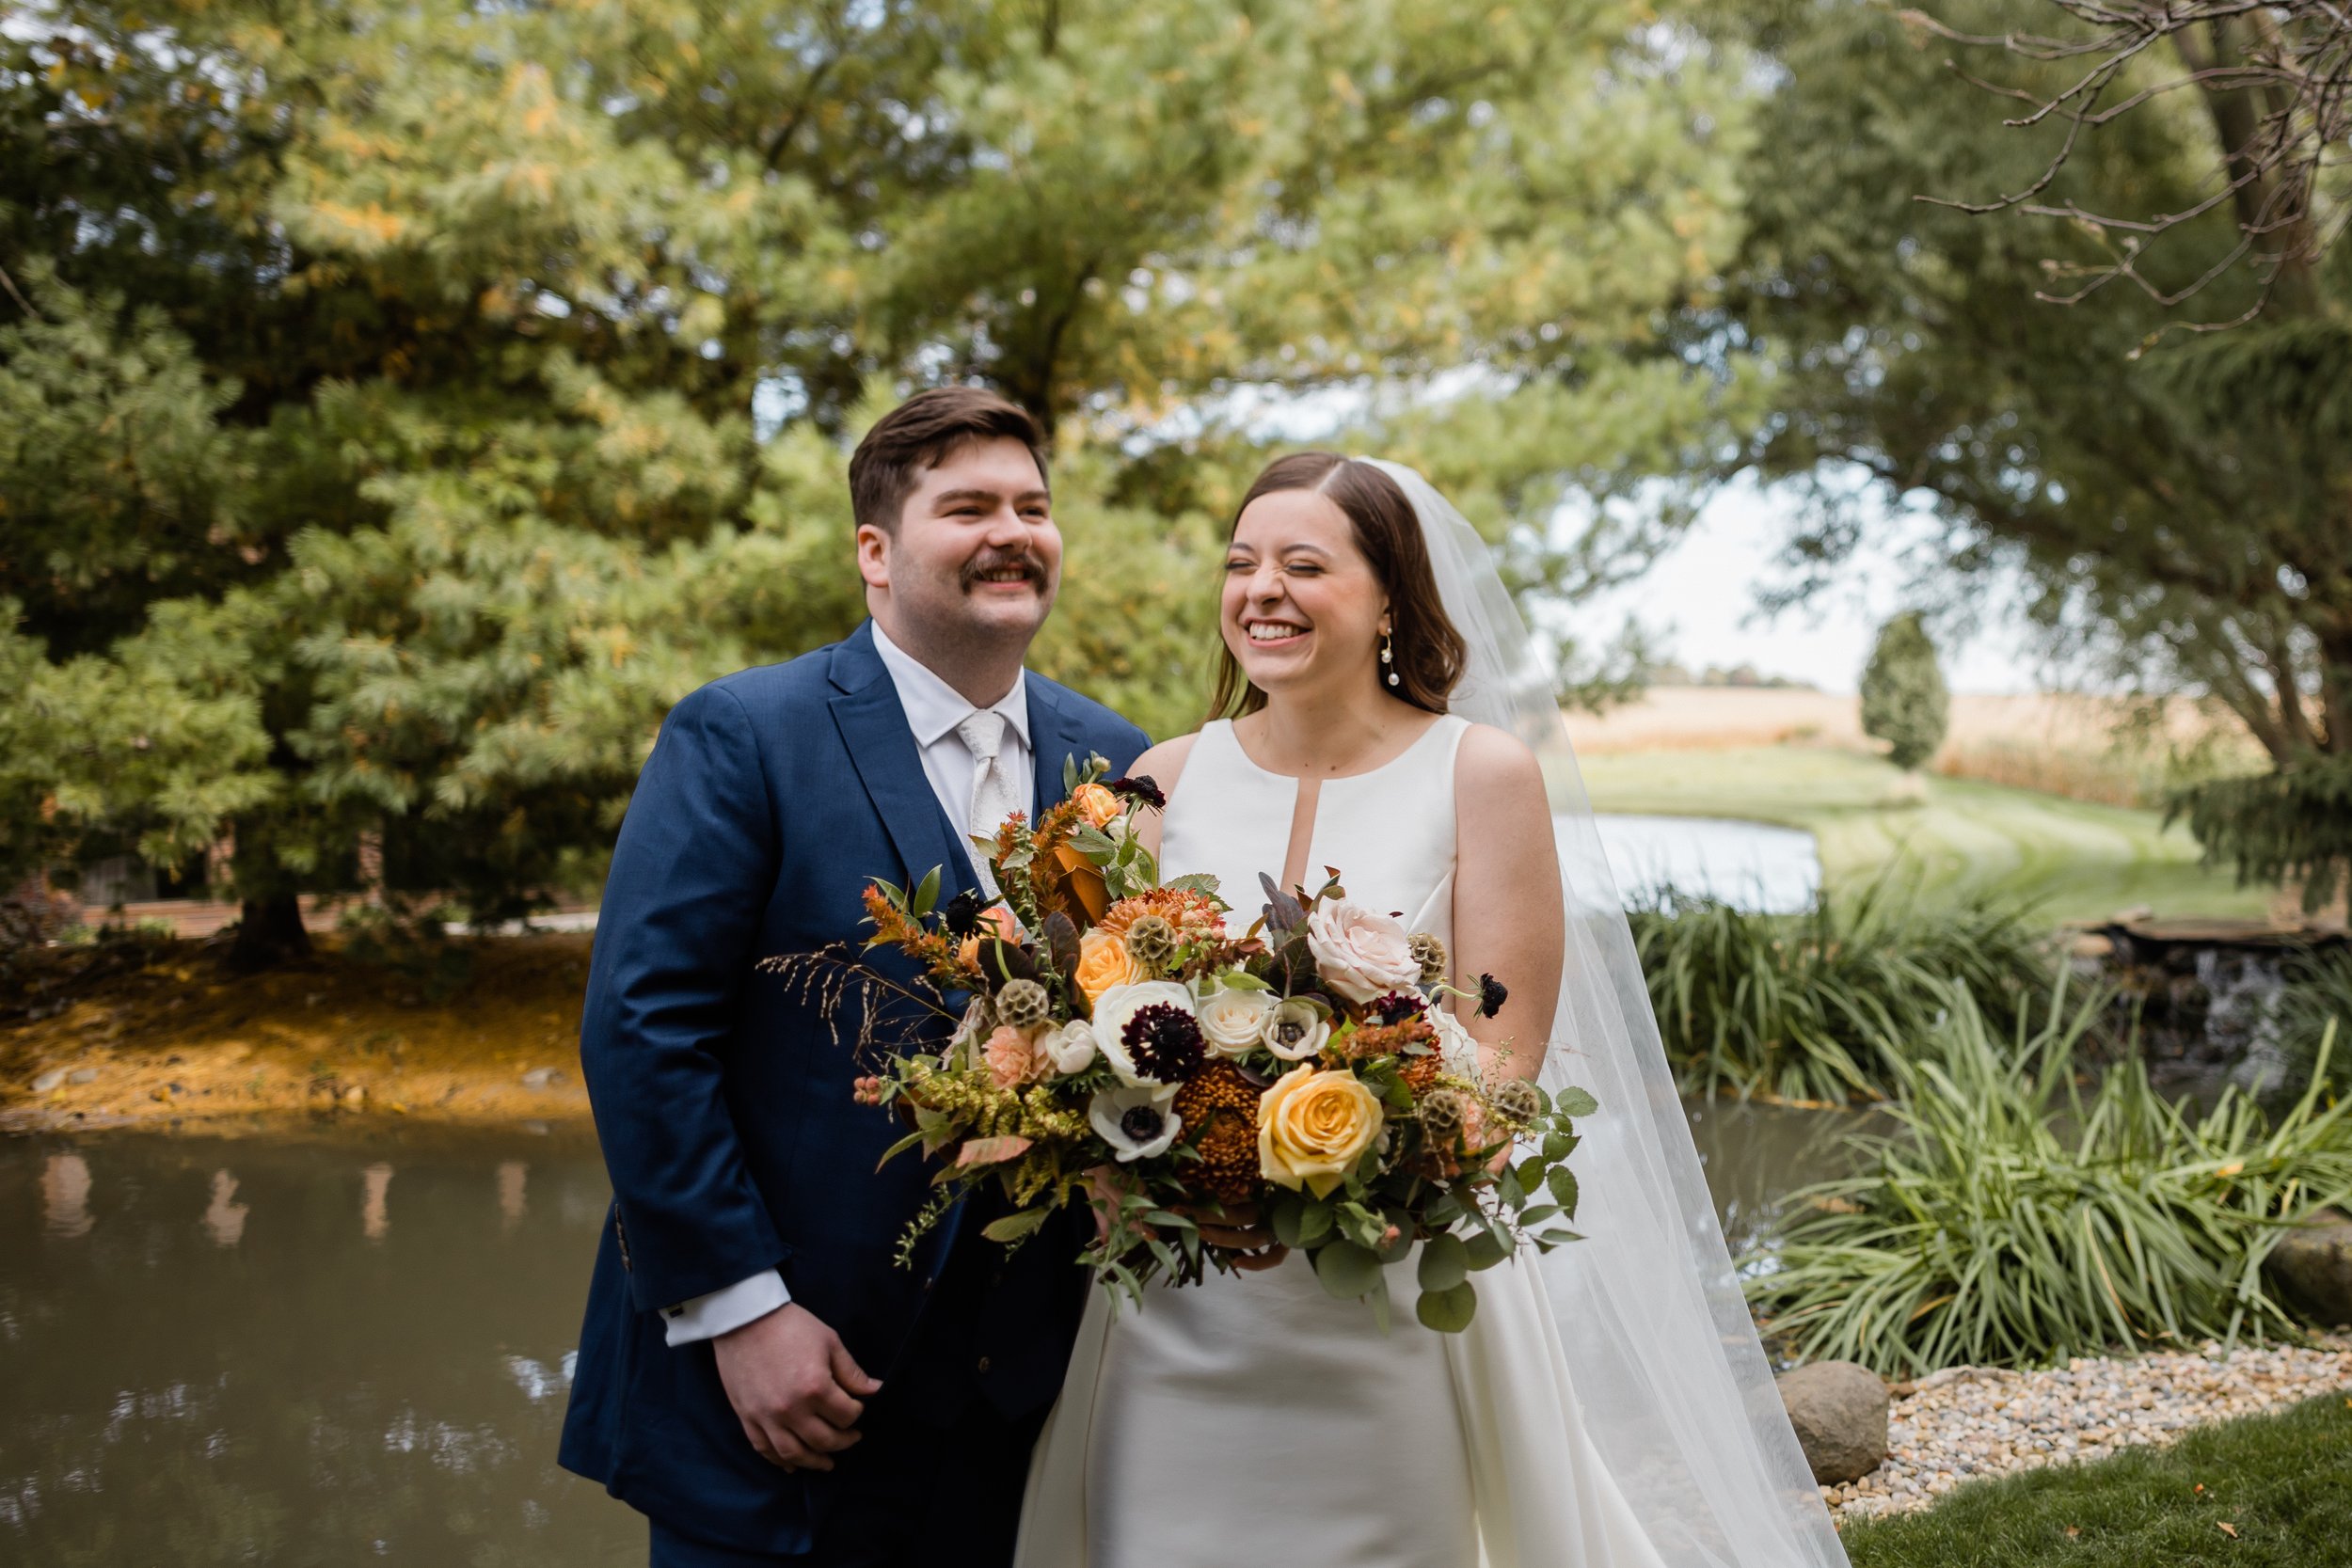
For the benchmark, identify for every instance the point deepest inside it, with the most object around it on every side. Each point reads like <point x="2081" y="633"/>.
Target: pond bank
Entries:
<point x="178" y="1042"/>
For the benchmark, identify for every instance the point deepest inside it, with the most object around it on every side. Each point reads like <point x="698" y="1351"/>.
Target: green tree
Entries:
<point x="2175" y="502"/>
<point x="444" y="390"/>
<point x="1903" y="699"/>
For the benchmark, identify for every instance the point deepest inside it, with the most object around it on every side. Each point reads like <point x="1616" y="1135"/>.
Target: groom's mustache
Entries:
<point x="1026" y="564"/>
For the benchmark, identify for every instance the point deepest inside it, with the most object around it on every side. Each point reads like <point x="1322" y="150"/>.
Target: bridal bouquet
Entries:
<point x="1124" y="1047"/>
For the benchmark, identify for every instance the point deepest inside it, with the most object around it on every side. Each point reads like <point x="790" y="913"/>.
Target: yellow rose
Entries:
<point x="1313" y="1125"/>
<point x="1104" y="963"/>
<point x="1099" y="806"/>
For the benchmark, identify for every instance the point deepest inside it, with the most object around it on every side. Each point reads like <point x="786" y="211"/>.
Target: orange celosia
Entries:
<point x="1194" y="914"/>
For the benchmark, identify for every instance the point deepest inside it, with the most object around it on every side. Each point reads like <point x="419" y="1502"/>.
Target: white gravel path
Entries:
<point x="1964" y="1422"/>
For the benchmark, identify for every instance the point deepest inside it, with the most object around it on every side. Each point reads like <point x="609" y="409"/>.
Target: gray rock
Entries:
<point x="1839" y="1411"/>
<point x="2313" y="1269"/>
<point x="543" y="1077"/>
<point x="83" y="1075"/>
<point x="49" y="1080"/>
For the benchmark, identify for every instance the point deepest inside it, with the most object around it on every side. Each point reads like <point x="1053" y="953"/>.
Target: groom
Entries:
<point x="757" y="1373"/>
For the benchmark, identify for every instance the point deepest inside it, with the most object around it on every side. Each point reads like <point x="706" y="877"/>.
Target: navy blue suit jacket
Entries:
<point x="724" y="1101"/>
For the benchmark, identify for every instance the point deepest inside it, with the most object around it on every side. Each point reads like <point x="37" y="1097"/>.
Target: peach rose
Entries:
<point x="1359" y="953"/>
<point x="1099" y="806"/>
<point x="996" y="921"/>
<point x="1313" y="1127"/>
<point x="1012" y="1058"/>
<point x="1103" y="964"/>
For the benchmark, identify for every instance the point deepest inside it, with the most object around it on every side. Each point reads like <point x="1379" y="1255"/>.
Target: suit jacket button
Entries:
<point x="982" y="1368"/>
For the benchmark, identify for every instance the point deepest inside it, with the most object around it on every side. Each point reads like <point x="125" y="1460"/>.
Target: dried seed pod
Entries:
<point x="1024" y="1004"/>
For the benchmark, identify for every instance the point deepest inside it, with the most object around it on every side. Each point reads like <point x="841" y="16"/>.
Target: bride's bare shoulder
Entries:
<point x="1496" y="765"/>
<point x="1164" y="764"/>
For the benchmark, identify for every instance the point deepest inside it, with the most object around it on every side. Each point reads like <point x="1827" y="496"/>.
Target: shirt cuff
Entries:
<point x="724" y="1311"/>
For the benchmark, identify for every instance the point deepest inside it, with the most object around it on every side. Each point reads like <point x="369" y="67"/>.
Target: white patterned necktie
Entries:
<point x="983" y="731"/>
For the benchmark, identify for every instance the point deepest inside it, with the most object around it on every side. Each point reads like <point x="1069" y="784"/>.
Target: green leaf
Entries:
<point x="1314" y="1223"/>
<point x="1197" y="882"/>
<point x="1563" y="1184"/>
<point x="1558" y="1145"/>
<point x="1015" y="1225"/>
<point x="1347" y="1270"/>
<point x="1069" y="774"/>
<point x="1485" y="1250"/>
<point x="1574" y="1103"/>
<point x="925" y="894"/>
<point x="1444" y="1263"/>
<point x="1289" y="1210"/>
<point x="1447" y="1311"/>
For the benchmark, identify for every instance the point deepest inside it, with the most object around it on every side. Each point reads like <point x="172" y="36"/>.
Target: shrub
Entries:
<point x="1903" y="699"/>
<point x="2011" y="1218"/>
<point x="1811" y="1006"/>
<point x="2317" y="996"/>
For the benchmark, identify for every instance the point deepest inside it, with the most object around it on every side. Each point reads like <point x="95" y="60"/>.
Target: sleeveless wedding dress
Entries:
<point x="1253" y="1419"/>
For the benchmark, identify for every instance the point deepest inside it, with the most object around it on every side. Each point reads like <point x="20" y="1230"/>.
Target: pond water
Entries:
<point x="1751" y="865"/>
<point x="282" y="1351"/>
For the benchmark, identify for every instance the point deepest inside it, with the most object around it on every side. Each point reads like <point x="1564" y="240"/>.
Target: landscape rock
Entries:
<point x="543" y="1077"/>
<point x="83" y="1075"/>
<point x="2312" y="1268"/>
<point x="1839" y="1411"/>
<point x="49" y="1080"/>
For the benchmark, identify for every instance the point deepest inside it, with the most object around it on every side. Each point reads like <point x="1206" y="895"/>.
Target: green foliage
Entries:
<point x="2281" y="1482"/>
<point x="2315" y="1010"/>
<point x="1826" y="1004"/>
<point x="2013" y="1219"/>
<point x="2174" y="508"/>
<point x="2294" y="822"/>
<point x="1903" y="699"/>
<point x="438" y="403"/>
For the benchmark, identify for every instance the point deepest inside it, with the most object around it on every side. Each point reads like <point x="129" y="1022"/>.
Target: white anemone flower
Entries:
<point x="1116" y="1006"/>
<point x="1138" y="1120"/>
<point x="1296" y="1029"/>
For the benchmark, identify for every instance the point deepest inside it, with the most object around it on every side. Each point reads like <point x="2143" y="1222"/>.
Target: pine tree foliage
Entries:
<point x="1904" y="702"/>
<point x="401" y="405"/>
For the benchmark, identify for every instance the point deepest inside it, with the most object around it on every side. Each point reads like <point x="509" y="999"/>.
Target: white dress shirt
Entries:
<point x="933" y="711"/>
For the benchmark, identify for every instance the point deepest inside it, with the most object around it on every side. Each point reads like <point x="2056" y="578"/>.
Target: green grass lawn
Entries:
<point x="2283" y="1483"/>
<point x="2074" y="860"/>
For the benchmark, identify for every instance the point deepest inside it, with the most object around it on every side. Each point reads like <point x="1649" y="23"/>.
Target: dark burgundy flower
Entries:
<point x="1164" y="1041"/>
<point x="1396" y="1007"/>
<point x="1492" y="994"/>
<point x="1141" y="790"/>
<point x="962" y="915"/>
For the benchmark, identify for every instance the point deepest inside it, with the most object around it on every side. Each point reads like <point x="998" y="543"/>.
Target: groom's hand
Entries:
<point x="793" y="1387"/>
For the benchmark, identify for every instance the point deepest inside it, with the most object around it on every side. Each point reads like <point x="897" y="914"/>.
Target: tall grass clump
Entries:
<point x="2013" y="1218"/>
<point x="1817" y="1005"/>
<point x="2316" y="1000"/>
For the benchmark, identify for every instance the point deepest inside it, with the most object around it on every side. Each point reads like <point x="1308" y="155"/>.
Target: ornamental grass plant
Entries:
<point x="2014" y="1217"/>
<point x="2315" y="1001"/>
<point x="1819" y="1006"/>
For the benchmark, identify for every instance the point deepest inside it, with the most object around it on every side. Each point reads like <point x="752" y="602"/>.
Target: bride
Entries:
<point x="1379" y="710"/>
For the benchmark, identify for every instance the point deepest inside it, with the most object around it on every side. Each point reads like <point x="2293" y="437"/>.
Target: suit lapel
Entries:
<point x="1053" y="739"/>
<point x="874" y="729"/>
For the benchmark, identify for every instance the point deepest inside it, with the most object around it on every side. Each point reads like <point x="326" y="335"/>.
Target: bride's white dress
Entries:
<point x="1253" y="1419"/>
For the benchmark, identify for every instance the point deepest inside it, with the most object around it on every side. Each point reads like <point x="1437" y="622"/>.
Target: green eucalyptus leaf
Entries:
<point x="1314" y="1223"/>
<point x="1485" y="1250"/>
<point x="1444" y="1263"/>
<point x="1347" y="1271"/>
<point x="1447" y="1311"/>
<point x="1289" y="1209"/>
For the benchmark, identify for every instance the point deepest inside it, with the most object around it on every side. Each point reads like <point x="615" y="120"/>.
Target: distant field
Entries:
<point x="2077" y="860"/>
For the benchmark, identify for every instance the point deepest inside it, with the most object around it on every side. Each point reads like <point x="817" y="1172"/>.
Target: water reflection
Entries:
<point x="225" y="1217"/>
<point x="376" y="1217"/>
<point x="511" y="1206"/>
<point x="274" y="1385"/>
<point x="65" y="1194"/>
<point x="271" y="1384"/>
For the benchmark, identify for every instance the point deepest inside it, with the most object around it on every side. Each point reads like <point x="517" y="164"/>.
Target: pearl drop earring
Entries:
<point x="1388" y="655"/>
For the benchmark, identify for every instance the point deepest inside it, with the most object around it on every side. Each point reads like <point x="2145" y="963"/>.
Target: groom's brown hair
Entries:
<point x="919" y="433"/>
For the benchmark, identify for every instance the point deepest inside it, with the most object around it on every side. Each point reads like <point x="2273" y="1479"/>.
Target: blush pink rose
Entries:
<point x="1359" y="953"/>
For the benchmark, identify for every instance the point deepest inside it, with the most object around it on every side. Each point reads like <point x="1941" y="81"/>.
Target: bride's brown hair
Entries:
<point x="1429" y="651"/>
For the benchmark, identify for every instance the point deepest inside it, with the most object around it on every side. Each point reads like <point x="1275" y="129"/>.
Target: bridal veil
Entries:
<point x="1676" y="1395"/>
